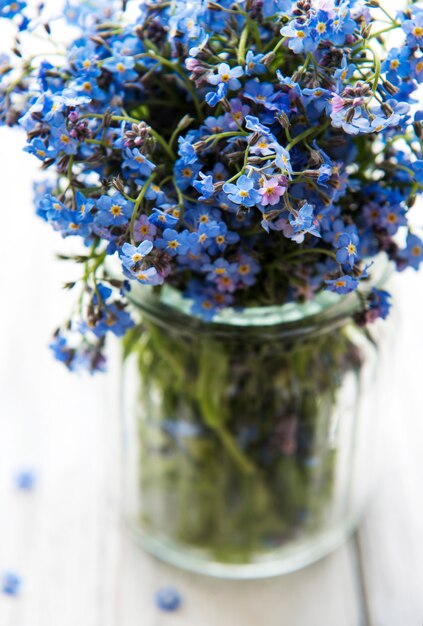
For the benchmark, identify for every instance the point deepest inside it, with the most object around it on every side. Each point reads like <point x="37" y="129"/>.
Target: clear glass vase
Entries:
<point x="248" y="442"/>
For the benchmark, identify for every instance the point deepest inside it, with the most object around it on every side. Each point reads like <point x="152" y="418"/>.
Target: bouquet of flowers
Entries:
<point x="243" y="155"/>
<point x="246" y="153"/>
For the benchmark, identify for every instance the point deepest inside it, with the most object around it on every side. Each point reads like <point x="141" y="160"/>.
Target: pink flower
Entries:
<point x="337" y="103"/>
<point x="271" y="191"/>
<point x="143" y="229"/>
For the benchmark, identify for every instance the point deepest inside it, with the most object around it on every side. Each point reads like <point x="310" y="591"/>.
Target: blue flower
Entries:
<point x="300" y="39"/>
<point x="186" y="171"/>
<point x="10" y="583"/>
<point x="206" y="231"/>
<point x="113" y="210"/>
<point x="162" y="218"/>
<point x="204" y="186"/>
<point x="379" y="304"/>
<point x="243" y="192"/>
<point x="320" y="26"/>
<point x="132" y="255"/>
<point x="414" y="29"/>
<point x="10" y="8"/>
<point x="61" y="140"/>
<point x="113" y="319"/>
<point x="121" y="66"/>
<point x="304" y="222"/>
<point x="397" y="65"/>
<point x="176" y="243"/>
<point x="37" y="147"/>
<point x="253" y="63"/>
<point x="283" y="160"/>
<point x="213" y="97"/>
<point x="253" y="123"/>
<point x="246" y="270"/>
<point x="412" y="255"/>
<point x="226" y="76"/>
<point x="260" y="93"/>
<point x="25" y="480"/>
<point x="134" y="160"/>
<point x="347" y="248"/>
<point x="342" y="285"/>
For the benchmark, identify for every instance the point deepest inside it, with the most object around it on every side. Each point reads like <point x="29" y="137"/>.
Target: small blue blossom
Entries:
<point x="204" y="186"/>
<point x="243" y="192"/>
<point x="113" y="210"/>
<point x="162" y="218"/>
<point x="304" y="222"/>
<point x="412" y="255"/>
<point x="342" y="285"/>
<point x="253" y="63"/>
<point x="226" y="76"/>
<point x="176" y="243"/>
<point x="253" y="123"/>
<point x="37" y="147"/>
<point x="134" y="160"/>
<point x="299" y="37"/>
<point x="132" y="255"/>
<point x="414" y="29"/>
<point x="10" y="583"/>
<point x="347" y="245"/>
<point x="62" y="141"/>
<point x="25" y="480"/>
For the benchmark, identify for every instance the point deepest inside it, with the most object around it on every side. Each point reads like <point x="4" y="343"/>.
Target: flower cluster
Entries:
<point x="251" y="152"/>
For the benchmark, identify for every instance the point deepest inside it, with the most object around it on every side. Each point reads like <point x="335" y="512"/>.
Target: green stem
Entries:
<point x="242" y="45"/>
<point x="233" y="450"/>
<point x="137" y="205"/>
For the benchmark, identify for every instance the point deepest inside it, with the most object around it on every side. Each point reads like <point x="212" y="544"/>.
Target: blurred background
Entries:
<point x="60" y="530"/>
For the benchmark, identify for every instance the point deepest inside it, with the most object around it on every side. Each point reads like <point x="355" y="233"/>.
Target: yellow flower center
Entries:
<point x="115" y="210"/>
<point x="120" y="67"/>
<point x="244" y="269"/>
<point x="220" y="239"/>
<point x="394" y="64"/>
<point x="173" y="244"/>
<point x="416" y="251"/>
<point x="243" y="193"/>
<point x="187" y="172"/>
<point x="418" y="31"/>
<point x="136" y="257"/>
<point x="225" y="78"/>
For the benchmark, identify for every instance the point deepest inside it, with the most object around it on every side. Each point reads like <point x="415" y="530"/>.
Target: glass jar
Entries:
<point x="248" y="442"/>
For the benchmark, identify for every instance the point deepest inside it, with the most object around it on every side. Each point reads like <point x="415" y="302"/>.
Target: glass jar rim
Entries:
<point x="326" y="311"/>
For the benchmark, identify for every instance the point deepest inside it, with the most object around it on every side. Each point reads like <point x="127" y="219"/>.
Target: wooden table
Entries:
<point x="65" y="539"/>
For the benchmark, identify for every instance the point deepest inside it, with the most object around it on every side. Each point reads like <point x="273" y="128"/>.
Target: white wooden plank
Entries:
<point x="324" y="594"/>
<point x="391" y="536"/>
